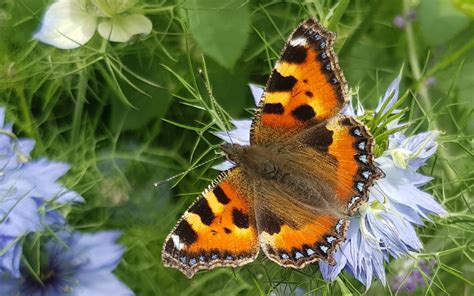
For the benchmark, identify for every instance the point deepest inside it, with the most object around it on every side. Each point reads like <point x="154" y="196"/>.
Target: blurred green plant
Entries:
<point x="100" y="108"/>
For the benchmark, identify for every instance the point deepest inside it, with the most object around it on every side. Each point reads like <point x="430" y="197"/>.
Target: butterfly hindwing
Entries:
<point x="296" y="245"/>
<point x="348" y="143"/>
<point x="217" y="230"/>
<point x="306" y="85"/>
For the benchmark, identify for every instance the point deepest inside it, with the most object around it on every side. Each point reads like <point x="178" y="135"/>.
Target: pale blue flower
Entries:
<point x="25" y="185"/>
<point x="412" y="151"/>
<point x="401" y="188"/>
<point x="350" y="110"/>
<point x="384" y="226"/>
<point x="71" y="23"/>
<point x="78" y="264"/>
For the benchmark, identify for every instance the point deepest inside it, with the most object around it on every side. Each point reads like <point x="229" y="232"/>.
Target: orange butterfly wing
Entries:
<point x="297" y="246"/>
<point x="306" y="85"/>
<point x="217" y="230"/>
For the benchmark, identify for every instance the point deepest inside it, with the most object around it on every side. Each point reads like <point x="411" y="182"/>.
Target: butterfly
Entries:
<point x="291" y="193"/>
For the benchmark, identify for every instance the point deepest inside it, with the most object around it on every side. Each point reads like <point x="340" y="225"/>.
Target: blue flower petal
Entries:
<point x="107" y="254"/>
<point x="420" y="146"/>
<point x="224" y="166"/>
<point x="257" y="93"/>
<point x="26" y="146"/>
<point x="100" y="284"/>
<point x="391" y="94"/>
<point x="240" y="135"/>
<point x="330" y="272"/>
<point x="19" y="216"/>
<point x="10" y="260"/>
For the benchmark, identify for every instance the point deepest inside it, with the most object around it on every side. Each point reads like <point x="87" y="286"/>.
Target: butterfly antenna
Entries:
<point x="215" y="105"/>
<point x="161" y="182"/>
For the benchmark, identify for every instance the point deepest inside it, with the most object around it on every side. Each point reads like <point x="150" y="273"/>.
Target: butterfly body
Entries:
<point x="305" y="172"/>
<point x="287" y="168"/>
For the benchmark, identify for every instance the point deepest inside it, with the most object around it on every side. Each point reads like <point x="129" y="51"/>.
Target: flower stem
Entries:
<point x="29" y="127"/>
<point x="414" y="63"/>
<point x="31" y="271"/>
<point x="153" y="9"/>
<point x="80" y="100"/>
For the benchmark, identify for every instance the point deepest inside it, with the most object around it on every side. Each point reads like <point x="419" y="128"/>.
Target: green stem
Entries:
<point x="80" y="100"/>
<point x="30" y="128"/>
<point x="153" y="10"/>
<point x="414" y="63"/>
<point x="25" y="111"/>
<point x="30" y="270"/>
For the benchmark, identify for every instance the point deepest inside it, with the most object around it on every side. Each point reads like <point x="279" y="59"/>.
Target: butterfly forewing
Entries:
<point x="305" y="87"/>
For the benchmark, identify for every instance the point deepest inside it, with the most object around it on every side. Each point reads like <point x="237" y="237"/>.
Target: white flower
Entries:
<point x="71" y="23"/>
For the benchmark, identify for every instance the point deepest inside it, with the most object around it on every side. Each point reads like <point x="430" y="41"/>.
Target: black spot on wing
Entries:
<point x="273" y="108"/>
<point x="280" y="83"/>
<point x="319" y="138"/>
<point x="300" y="32"/>
<point x="240" y="219"/>
<point x="186" y="233"/>
<point x="220" y="195"/>
<point x="227" y="230"/>
<point x="303" y="112"/>
<point x="347" y="121"/>
<point x="202" y="209"/>
<point x="294" y="54"/>
<point x="169" y="247"/>
<point x="269" y="222"/>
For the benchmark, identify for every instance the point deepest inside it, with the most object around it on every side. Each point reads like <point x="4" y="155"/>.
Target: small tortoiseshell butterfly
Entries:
<point x="306" y="171"/>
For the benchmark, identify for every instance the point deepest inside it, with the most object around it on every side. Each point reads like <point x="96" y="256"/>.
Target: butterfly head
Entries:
<point x="234" y="152"/>
<point x="253" y="159"/>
